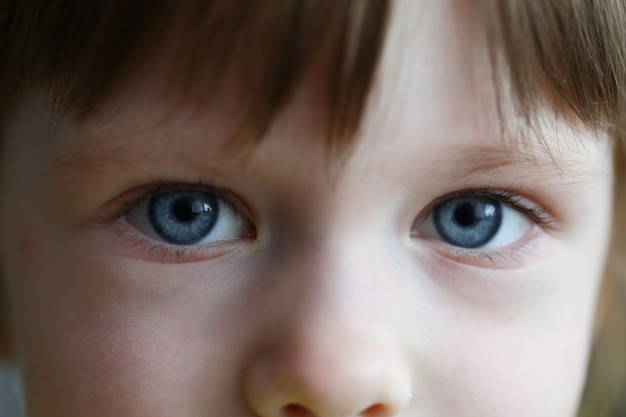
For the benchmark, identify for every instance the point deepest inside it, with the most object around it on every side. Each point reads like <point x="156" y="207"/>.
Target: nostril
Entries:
<point x="295" y="410"/>
<point x="377" y="410"/>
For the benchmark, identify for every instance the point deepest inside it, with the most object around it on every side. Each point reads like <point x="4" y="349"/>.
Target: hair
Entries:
<point x="85" y="52"/>
<point x="570" y="52"/>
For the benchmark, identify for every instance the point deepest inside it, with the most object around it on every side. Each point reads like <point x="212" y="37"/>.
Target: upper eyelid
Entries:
<point x="143" y="232"/>
<point x="513" y="198"/>
<point x="136" y="197"/>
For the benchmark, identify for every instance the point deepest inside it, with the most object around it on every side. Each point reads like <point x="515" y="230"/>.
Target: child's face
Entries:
<point x="339" y="290"/>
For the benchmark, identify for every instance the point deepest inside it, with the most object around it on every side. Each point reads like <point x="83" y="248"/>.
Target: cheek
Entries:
<point x="523" y="353"/>
<point x="508" y="371"/>
<point x="102" y="333"/>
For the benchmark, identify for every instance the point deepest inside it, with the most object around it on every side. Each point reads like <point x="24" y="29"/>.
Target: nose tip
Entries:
<point x="331" y="342"/>
<point x="340" y="381"/>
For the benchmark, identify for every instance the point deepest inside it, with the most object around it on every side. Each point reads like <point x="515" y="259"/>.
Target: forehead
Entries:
<point x="258" y="51"/>
<point x="420" y="55"/>
<point x="433" y="86"/>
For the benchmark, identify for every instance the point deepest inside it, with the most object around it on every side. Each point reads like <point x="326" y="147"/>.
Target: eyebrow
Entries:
<point x="93" y="149"/>
<point x="79" y="161"/>
<point x="87" y="164"/>
<point x="535" y="157"/>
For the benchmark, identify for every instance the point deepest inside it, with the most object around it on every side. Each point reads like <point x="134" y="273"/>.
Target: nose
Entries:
<point x="331" y="349"/>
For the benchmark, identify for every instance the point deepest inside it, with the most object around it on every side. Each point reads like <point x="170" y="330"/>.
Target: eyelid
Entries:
<point x="133" y="245"/>
<point x="137" y="244"/>
<point x="500" y="258"/>
<point x="134" y="198"/>
<point x="512" y="198"/>
<point x="511" y="256"/>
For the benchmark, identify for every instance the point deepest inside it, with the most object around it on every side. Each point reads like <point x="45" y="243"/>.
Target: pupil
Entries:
<point x="465" y="215"/>
<point x="185" y="210"/>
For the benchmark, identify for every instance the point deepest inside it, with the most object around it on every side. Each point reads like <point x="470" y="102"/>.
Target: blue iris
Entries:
<point x="183" y="217"/>
<point x="468" y="222"/>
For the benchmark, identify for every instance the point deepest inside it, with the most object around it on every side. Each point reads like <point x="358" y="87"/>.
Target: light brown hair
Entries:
<point x="571" y="52"/>
<point x="577" y="51"/>
<point x="84" y="52"/>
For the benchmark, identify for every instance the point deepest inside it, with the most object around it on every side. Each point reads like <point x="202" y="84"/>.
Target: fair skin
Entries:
<point x="331" y="294"/>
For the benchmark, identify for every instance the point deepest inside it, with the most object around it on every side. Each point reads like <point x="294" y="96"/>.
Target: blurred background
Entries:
<point x="10" y="398"/>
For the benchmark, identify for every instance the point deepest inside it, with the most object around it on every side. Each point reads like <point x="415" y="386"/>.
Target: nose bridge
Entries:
<point x="335" y="349"/>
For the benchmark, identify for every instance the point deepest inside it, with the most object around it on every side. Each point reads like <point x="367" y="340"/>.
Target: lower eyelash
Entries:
<point x="140" y="247"/>
<point x="514" y="255"/>
<point x="500" y="258"/>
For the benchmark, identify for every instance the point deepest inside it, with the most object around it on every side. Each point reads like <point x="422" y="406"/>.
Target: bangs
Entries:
<point x="573" y="53"/>
<point x="568" y="52"/>
<point x="86" y="52"/>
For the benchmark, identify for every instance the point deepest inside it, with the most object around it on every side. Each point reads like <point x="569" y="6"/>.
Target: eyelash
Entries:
<point x="137" y="196"/>
<point x="536" y="213"/>
<point x="164" y="252"/>
<point x="496" y="257"/>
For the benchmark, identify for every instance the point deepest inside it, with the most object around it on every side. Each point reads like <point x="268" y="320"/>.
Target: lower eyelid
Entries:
<point x="531" y="248"/>
<point x="163" y="226"/>
<point x="129" y="243"/>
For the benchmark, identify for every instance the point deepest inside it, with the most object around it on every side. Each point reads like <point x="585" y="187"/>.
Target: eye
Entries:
<point x="187" y="217"/>
<point x="475" y="222"/>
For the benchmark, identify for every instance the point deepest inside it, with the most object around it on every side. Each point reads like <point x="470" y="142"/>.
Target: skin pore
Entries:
<point x="327" y="291"/>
